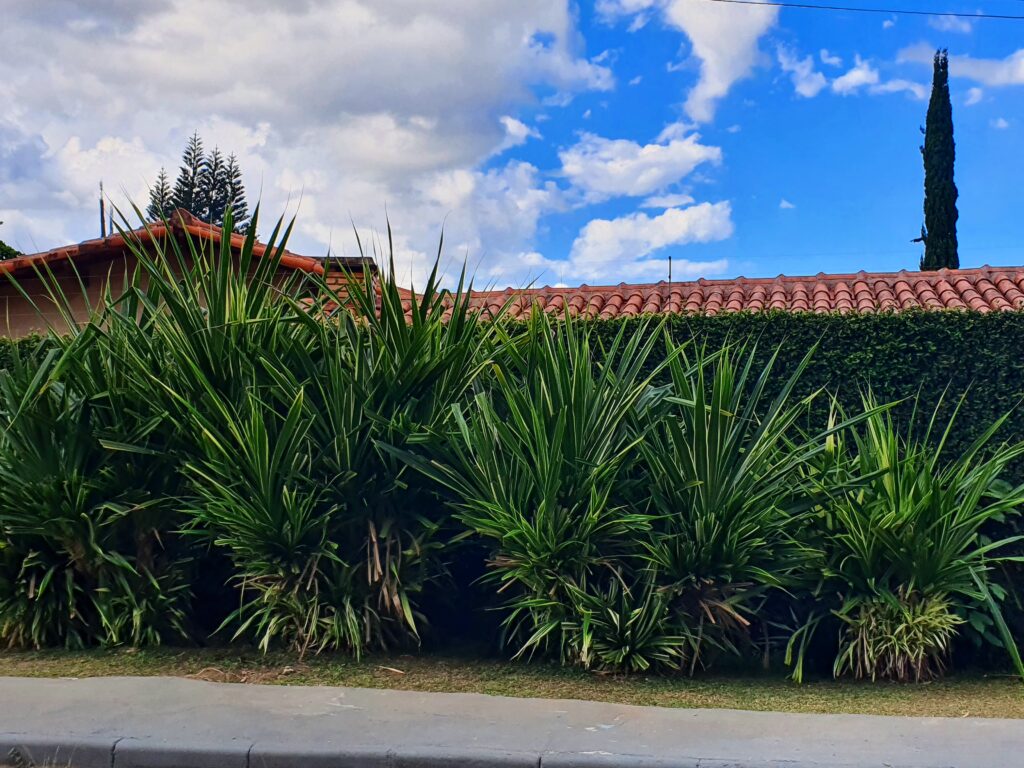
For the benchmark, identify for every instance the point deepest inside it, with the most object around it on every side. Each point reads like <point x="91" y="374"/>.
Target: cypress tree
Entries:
<point x="236" y="195"/>
<point x="160" y="204"/>
<point x="940" y="194"/>
<point x="188" y="193"/>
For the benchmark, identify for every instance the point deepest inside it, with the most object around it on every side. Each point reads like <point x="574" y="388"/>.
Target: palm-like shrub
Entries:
<point x="534" y="467"/>
<point x="730" y="494"/>
<point x="82" y="560"/>
<point x="906" y="549"/>
<point x="259" y="423"/>
<point x="386" y="369"/>
<point x="624" y="629"/>
<point x="284" y="410"/>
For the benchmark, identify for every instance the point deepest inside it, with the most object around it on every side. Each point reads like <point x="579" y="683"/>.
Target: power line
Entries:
<point x="888" y="11"/>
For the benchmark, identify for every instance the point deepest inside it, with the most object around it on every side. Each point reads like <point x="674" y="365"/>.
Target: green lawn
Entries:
<point x="967" y="696"/>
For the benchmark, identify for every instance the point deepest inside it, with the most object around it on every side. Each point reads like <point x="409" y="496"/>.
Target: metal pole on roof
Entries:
<point x="670" y="269"/>
<point x="103" y="214"/>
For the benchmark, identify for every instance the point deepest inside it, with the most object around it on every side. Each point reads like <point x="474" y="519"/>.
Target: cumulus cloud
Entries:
<point x="888" y="23"/>
<point x="860" y="75"/>
<point x="517" y="132"/>
<point x="344" y="106"/>
<point x="806" y="80"/>
<point x="974" y="96"/>
<point x="603" y="168"/>
<point x="948" y="23"/>
<point x="617" y="249"/>
<point x="1000" y="123"/>
<point x="918" y="91"/>
<point x="675" y="200"/>
<point x="785" y="205"/>
<point x="723" y="38"/>
<point x="830" y="59"/>
<point x="991" y="72"/>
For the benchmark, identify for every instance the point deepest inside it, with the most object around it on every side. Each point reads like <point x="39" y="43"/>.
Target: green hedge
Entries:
<point x="897" y="354"/>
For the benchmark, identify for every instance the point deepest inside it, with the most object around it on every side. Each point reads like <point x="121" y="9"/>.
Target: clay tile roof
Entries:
<point x="985" y="289"/>
<point x="179" y="223"/>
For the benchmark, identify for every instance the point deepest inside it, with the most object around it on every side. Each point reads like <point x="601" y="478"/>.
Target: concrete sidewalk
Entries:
<point x="177" y="723"/>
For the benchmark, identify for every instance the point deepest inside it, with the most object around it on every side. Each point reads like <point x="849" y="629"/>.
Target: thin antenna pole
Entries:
<point x="103" y="214"/>
<point x="670" y="269"/>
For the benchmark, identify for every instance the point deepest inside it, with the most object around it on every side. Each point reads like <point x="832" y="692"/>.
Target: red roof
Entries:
<point x="180" y="222"/>
<point x="984" y="289"/>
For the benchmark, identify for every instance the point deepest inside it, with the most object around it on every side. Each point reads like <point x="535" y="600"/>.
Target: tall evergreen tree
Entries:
<point x="206" y="187"/>
<point x="160" y="203"/>
<point x="214" y="185"/>
<point x="940" y="194"/>
<point x="188" y="192"/>
<point x="236" y="195"/>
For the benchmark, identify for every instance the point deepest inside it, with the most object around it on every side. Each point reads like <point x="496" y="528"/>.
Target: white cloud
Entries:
<point x="603" y="168"/>
<point x="1000" y="123"/>
<point x="517" y="132"/>
<point x="618" y="249"/>
<point x="723" y="38"/>
<point x="974" y="96"/>
<point x="785" y="205"/>
<point x="864" y="76"/>
<point x="676" y="200"/>
<point x="830" y="59"/>
<point x="636" y="80"/>
<point x="888" y="23"/>
<point x="918" y="91"/>
<point x="368" y="118"/>
<point x="860" y="75"/>
<point x="806" y="80"/>
<point x="991" y="72"/>
<point x="948" y="23"/>
<point x="734" y="129"/>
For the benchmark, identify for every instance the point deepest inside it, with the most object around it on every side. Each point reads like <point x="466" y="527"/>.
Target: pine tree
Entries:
<point x="940" y="194"/>
<point x="236" y="195"/>
<point x="188" y="193"/>
<point x="206" y="187"/>
<point x="160" y="204"/>
<point x="213" y="182"/>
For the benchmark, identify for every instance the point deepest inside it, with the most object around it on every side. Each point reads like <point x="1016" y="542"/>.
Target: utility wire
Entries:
<point x="888" y="11"/>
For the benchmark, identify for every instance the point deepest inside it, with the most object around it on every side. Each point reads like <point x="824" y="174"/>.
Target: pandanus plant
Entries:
<point x="534" y="466"/>
<point x="908" y="558"/>
<point x="730" y="493"/>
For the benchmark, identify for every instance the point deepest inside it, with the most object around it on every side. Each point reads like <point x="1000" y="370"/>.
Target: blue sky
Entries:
<point x="556" y="142"/>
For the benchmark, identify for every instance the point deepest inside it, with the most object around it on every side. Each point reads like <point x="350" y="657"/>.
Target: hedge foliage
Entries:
<point x="936" y="355"/>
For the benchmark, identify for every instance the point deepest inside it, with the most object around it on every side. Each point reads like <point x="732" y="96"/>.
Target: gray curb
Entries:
<point x="108" y="752"/>
<point x="152" y="753"/>
<point x="77" y="751"/>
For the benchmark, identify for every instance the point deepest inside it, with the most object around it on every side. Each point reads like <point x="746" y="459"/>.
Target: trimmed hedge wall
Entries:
<point x="896" y="354"/>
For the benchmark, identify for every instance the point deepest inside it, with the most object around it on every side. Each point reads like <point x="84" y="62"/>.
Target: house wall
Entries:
<point x="64" y="290"/>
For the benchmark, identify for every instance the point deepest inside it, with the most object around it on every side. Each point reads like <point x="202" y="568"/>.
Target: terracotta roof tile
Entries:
<point x="985" y="289"/>
<point x="179" y="223"/>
